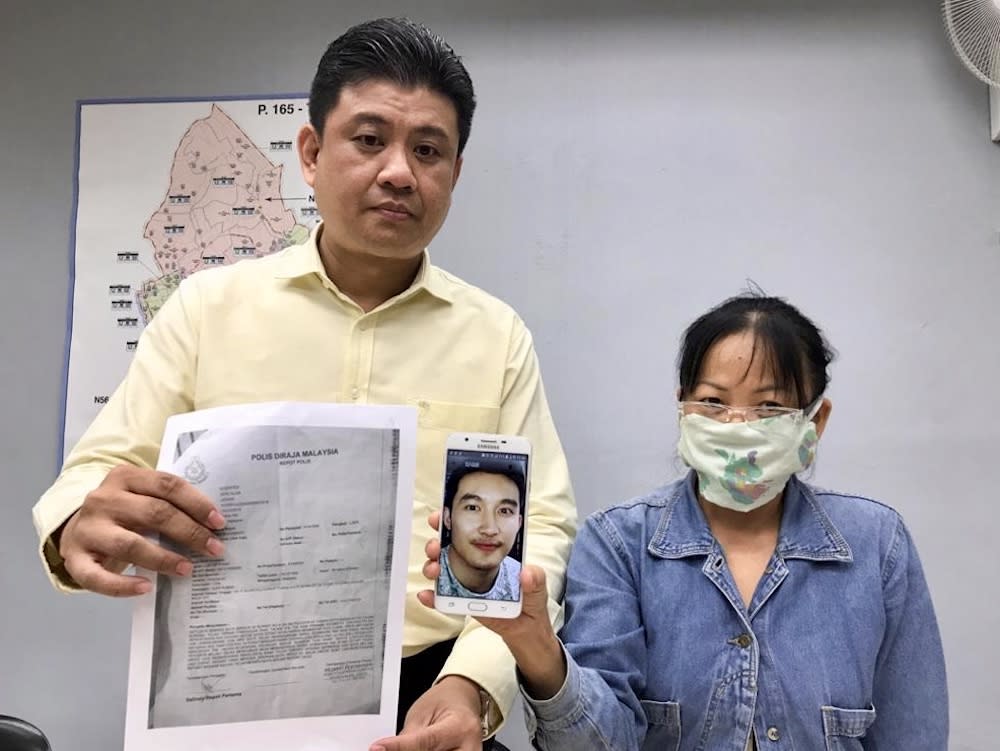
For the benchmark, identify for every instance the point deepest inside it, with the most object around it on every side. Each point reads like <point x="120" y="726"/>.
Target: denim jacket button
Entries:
<point x="773" y="734"/>
<point x="743" y="641"/>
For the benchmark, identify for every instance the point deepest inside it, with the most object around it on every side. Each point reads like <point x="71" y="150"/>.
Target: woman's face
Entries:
<point x="734" y="375"/>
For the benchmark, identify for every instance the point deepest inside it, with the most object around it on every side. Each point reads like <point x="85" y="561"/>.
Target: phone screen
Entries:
<point x="482" y="525"/>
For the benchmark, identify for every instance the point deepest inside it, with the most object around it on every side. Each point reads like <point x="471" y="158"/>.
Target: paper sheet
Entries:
<point x="293" y="639"/>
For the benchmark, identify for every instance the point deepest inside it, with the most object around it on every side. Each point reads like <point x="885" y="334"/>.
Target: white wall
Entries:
<point x="630" y="165"/>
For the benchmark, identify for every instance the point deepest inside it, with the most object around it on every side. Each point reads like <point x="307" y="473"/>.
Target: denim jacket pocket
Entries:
<point x="844" y="728"/>
<point x="663" y="725"/>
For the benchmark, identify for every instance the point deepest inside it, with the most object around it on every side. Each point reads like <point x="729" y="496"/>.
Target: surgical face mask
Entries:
<point x="745" y="465"/>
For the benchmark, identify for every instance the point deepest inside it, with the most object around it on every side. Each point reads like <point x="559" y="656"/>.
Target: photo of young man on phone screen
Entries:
<point x="481" y="520"/>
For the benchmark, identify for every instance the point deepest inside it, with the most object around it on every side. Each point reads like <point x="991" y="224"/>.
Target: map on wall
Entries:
<point x="164" y="189"/>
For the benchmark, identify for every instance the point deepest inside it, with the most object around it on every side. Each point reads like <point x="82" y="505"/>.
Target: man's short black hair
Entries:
<point x="396" y="50"/>
<point x="510" y="470"/>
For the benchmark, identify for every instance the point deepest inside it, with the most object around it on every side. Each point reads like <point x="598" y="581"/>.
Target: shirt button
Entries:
<point x="773" y="734"/>
<point x="743" y="641"/>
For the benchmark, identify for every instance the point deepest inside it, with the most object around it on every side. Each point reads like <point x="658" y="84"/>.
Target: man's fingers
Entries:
<point x="425" y="739"/>
<point x="433" y="549"/>
<point x="156" y="515"/>
<point x="92" y="576"/>
<point x="444" y="718"/>
<point x="173" y="489"/>
<point x="119" y="544"/>
<point x="434" y="520"/>
<point x="108" y="529"/>
<point x="431" y="570"/>
<point x="431" y="567"/>
<point x="426" y="598"/>
<point x="144" y="500"/>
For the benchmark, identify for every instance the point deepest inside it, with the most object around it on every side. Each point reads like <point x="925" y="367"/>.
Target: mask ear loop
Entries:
<point x="811" y="412"/>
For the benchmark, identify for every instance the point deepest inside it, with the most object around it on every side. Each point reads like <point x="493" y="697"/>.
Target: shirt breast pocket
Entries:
<point x="452" y="417"/>
<point x="663" y="725"/>
<point x="435" y="421"/>
<point x="844" y="728"/>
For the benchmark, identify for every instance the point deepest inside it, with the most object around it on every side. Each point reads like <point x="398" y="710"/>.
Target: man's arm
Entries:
<point x="90" y="522"/>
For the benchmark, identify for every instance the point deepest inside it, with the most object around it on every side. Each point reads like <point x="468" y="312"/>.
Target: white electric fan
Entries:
<point x="974" y="30"/>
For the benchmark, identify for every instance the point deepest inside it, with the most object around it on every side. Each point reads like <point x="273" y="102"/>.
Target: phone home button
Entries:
<point x="477" y="607"/>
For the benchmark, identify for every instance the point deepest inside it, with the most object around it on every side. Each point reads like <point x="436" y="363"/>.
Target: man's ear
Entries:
<point x="458" y="171"/>
<point x="446" y="518"/>
<point x="308" y="144"/>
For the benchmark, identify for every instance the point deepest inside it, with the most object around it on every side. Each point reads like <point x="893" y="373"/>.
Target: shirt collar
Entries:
<point x="297" y="261"/>
<point x="806" y="529"/>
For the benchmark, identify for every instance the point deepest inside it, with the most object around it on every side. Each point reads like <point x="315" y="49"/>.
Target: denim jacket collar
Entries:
<point x="806" y="530"/>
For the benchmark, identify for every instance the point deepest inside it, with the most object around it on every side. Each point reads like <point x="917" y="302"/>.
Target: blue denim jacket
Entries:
<point x="839" y="649"/>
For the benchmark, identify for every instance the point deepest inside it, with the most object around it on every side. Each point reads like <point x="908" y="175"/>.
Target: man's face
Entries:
<point x="484" y="519"/>
<point x="383" y="170"/>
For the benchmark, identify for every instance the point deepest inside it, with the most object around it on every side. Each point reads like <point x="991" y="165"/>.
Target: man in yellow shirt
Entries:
<point x="357" y="314"/>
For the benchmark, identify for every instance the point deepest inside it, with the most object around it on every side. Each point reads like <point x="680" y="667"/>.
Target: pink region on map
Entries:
<point x="224" y="204"/>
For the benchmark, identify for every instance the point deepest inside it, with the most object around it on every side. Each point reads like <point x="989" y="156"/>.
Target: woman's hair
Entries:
<point x="797" y="354"/>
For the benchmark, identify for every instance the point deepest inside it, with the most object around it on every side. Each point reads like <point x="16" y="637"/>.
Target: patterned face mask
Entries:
<point x="744" y="465"/>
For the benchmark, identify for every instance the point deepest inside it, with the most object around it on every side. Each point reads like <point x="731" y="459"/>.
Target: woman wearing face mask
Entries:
<point x="737" y="608"/>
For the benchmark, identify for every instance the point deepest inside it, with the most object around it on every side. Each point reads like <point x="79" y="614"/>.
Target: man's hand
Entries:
<point x="445" y="718"/>
<point x="530" y="637"/>
<point x="105" y="535"/>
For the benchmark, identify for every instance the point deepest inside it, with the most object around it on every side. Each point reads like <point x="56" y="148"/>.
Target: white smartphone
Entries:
<point x="483" y="514"/>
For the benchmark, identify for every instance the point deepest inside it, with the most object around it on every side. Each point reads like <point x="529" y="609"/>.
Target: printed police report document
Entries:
<point x="292" y="639"/>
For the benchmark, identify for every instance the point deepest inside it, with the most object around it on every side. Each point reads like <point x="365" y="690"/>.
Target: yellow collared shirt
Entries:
<point x="276" y="329"/>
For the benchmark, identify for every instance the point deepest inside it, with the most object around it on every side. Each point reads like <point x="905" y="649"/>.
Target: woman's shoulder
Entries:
<point x="638" y="507"/>
<point x="635" y="520"/>
<point x="862" y="520"/>
<point x="840" y="503"/>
